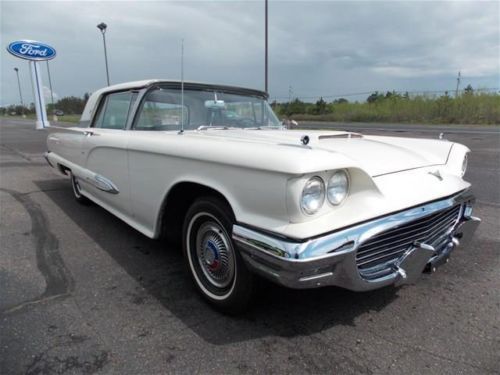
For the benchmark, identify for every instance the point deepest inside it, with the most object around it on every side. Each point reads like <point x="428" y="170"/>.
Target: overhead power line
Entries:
<point x="423" y="92"/>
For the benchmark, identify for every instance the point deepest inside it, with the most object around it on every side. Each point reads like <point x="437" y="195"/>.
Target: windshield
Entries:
<point x="164" y="109"/>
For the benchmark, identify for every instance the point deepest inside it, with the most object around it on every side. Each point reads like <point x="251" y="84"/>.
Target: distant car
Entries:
<point x="58" y="112"/>
<point x="213" y="166"/>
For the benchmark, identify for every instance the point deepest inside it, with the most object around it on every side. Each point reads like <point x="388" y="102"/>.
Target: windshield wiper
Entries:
<point x="216" y="127"/>
<point x="225" y="127"/>
<point x="263" y="127"/>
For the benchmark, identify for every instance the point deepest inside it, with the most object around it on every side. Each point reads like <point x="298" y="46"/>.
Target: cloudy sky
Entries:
<point x="325" y="48"/>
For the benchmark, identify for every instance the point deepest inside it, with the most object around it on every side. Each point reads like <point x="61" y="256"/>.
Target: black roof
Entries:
<point x="209" y="87"/>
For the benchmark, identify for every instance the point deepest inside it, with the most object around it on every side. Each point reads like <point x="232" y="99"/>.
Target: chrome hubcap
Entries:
<point x="215" y="254"/>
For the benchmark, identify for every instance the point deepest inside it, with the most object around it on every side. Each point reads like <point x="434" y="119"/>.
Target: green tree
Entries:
<point x="469" y="90"/>
<point x="296" y="106"/>
<point x="71" y="105"/>
<point x="376" y="96"/>
<point x="320" y="107"/>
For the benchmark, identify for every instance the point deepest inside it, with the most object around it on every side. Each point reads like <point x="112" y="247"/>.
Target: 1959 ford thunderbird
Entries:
<point x="213" y="166"/>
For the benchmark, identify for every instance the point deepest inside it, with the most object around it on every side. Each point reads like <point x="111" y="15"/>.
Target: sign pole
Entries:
<point x="41" y="114"/>
<point x="54" y="117"/>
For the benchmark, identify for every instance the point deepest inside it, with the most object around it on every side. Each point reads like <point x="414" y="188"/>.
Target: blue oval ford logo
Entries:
<point x="31" y="50"/>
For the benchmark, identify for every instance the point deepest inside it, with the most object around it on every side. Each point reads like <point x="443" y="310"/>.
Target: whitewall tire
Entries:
<point x="216" y="267"/>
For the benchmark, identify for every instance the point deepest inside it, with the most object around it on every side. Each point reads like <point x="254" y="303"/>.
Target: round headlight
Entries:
<point x="464" y="164"/>
<point x="338" y="187"/>
<point x="313" y="195"/>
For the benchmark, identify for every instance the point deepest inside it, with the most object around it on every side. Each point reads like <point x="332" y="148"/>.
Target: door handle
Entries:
<point x="88" y="133"/>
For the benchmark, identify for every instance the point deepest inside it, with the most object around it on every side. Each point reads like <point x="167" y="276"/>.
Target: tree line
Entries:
<point x="321" y="107"/>
<point x="467" y="107"/>
<point x="70" y="105"/>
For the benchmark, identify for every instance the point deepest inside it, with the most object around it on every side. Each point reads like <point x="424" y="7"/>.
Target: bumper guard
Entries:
<point x="331" y="259"/>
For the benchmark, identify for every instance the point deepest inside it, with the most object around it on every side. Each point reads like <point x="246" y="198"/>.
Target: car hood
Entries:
<point x="377" y="155"/>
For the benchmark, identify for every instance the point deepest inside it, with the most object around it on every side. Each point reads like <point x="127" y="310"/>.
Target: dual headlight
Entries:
<point x="315" y="191"/>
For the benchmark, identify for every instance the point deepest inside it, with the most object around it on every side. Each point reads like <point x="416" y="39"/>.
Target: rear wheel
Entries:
<point x="216" y="266"/>
<point x="77" y="193"/>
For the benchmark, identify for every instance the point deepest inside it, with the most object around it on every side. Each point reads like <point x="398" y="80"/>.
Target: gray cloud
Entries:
<point x="319" y="48"/>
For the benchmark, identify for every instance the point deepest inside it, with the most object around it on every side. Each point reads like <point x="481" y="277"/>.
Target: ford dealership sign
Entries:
<point x="35" y="52"/>
<point x="31" y="50"/>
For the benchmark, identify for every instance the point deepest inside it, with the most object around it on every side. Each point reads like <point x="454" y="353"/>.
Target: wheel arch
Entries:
<point x="176" y="203"/>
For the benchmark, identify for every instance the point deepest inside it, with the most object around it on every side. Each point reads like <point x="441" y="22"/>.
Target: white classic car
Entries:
<point x="213" y="166"/>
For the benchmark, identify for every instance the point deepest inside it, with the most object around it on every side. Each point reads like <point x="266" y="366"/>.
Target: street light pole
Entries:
<point x="102" y="26"/>
<point x="266" y="55"/>
<point x="20" y="94"/>
<point x="19" y="86"/>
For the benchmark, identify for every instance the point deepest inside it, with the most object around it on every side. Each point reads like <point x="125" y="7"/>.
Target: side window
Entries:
<point x="161" y="110"/>
<point x="114" y="111"/>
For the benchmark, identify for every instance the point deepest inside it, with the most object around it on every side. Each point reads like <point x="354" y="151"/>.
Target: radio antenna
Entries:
<point x="182" y="87"/>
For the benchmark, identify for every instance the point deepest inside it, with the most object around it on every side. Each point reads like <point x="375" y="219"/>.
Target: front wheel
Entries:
<point x="215" y="264"/>
<point x="77" y="193"/>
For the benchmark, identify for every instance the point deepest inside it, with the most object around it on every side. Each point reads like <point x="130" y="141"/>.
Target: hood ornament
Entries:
<point x="437" y="174"/>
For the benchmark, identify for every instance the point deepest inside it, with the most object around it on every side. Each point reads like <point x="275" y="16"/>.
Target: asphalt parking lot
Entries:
<point x="81" y="292"/>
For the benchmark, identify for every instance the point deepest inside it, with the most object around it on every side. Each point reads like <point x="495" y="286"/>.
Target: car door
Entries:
<point x="67" y="143"/>
<point x="104" y="150"/>
<point x="156" y="123"/>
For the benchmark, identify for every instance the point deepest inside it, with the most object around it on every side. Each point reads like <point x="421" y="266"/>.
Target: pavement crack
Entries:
<point x="16" y="152"/>
<point x="58" y="279"/>
<point x="15" y="164"/>
<point x="42" y="191"/>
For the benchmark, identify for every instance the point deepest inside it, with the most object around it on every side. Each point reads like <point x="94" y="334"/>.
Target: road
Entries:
<point x="81" y="292"/>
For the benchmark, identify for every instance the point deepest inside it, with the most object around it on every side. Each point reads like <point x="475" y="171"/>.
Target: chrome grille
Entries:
<point x="389" y="246"/>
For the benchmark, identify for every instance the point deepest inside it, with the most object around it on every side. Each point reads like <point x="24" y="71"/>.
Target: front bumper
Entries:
<point x="331" y="259"/>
